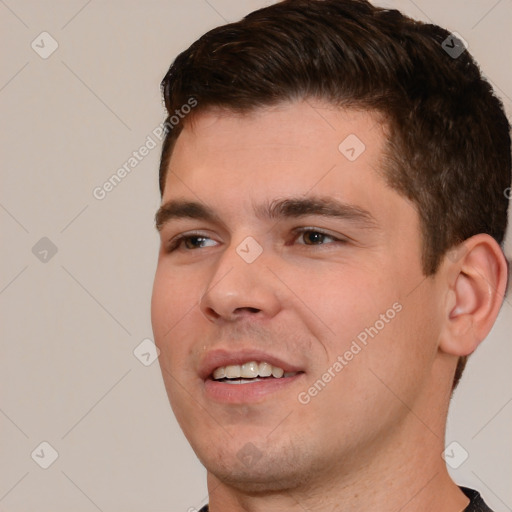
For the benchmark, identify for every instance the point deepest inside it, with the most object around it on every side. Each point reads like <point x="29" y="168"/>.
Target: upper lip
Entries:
<point x="221" y="357"/>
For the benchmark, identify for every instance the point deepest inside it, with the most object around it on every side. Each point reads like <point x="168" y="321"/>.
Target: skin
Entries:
<point x="372" y="437"/>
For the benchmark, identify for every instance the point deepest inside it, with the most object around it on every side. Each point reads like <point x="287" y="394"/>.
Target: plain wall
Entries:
<point x="71" y="320"/>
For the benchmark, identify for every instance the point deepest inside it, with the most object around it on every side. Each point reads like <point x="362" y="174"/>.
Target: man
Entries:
<point x="333" y="203"/>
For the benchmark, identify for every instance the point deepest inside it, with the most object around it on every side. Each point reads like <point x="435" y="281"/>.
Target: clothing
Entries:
<point x="476" y="504"/>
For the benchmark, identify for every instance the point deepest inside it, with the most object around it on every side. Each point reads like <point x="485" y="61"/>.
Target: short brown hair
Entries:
<point x="448" y="147"/>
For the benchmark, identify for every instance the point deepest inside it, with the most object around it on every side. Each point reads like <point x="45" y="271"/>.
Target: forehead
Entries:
<point x="291" y="147"/>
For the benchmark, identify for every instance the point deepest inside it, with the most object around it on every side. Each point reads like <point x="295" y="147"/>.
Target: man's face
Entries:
<point x="298" y="255"/>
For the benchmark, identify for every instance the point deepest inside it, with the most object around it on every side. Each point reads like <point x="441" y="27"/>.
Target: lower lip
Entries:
<point x="249" y="392"/>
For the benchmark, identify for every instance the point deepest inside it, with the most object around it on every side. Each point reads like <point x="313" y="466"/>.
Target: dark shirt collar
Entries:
<point x="476" y="503"/>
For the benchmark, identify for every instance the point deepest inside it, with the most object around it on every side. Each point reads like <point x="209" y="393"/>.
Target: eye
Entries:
<point x="312" y="236"/>
<point x="189" y="242"/>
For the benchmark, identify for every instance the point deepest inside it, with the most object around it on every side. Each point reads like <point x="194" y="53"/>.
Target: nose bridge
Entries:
<point x="239" y="282"/>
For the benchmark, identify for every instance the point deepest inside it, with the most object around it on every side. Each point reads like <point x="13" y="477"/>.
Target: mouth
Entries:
<point x="246" y="376"/>
<point x="251" y="371"/>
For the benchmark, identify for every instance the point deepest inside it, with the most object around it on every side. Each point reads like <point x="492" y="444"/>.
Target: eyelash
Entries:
<point x="176" y="243"/>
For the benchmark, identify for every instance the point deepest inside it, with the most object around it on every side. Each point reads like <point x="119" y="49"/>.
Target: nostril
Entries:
<point x="248" y="309"/>
<point x="230" y="315"/>
<point x="212" y="313"/>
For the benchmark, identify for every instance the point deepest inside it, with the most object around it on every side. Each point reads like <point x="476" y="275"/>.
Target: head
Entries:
<point x="408" y="222"/>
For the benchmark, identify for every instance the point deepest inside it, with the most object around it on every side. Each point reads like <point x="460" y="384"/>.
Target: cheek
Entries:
<point x="174" y="305"/>
<point x="344" y="301"/>
<point x="175" y="297"/>
<point x="403" y="352"/>
<point x="374" y="314"/>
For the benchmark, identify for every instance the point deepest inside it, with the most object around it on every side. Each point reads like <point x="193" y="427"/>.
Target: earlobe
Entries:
<point x="476" y="283"/>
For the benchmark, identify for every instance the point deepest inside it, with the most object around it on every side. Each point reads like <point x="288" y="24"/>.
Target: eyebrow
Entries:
<point x="320" y="206"/>
<point x="180" y="209"/>
<point x="275" y="210"/>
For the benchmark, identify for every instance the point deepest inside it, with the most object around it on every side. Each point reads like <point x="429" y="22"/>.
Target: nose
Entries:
<point x="238" y="289"/>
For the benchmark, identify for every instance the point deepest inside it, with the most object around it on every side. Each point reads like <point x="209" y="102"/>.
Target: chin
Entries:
<point x="262" y="480"/>
<point x="252" y="471"/>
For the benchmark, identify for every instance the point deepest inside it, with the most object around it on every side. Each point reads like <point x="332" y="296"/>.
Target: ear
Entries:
<point x="476" y="277"/>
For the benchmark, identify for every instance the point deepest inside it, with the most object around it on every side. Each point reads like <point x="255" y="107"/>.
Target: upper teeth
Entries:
<point x="250" y="370"/>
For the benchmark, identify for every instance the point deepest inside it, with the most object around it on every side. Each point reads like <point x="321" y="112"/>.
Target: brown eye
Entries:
<point x="190" y="242"/>
<point x="194" y="242"/>
<point x="312" y="237"/>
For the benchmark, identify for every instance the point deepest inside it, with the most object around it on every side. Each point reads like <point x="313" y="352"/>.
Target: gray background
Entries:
<point x="71" y="320"/>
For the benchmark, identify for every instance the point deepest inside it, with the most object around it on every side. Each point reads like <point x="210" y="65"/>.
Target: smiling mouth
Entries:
<point x="249" y="372"/>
